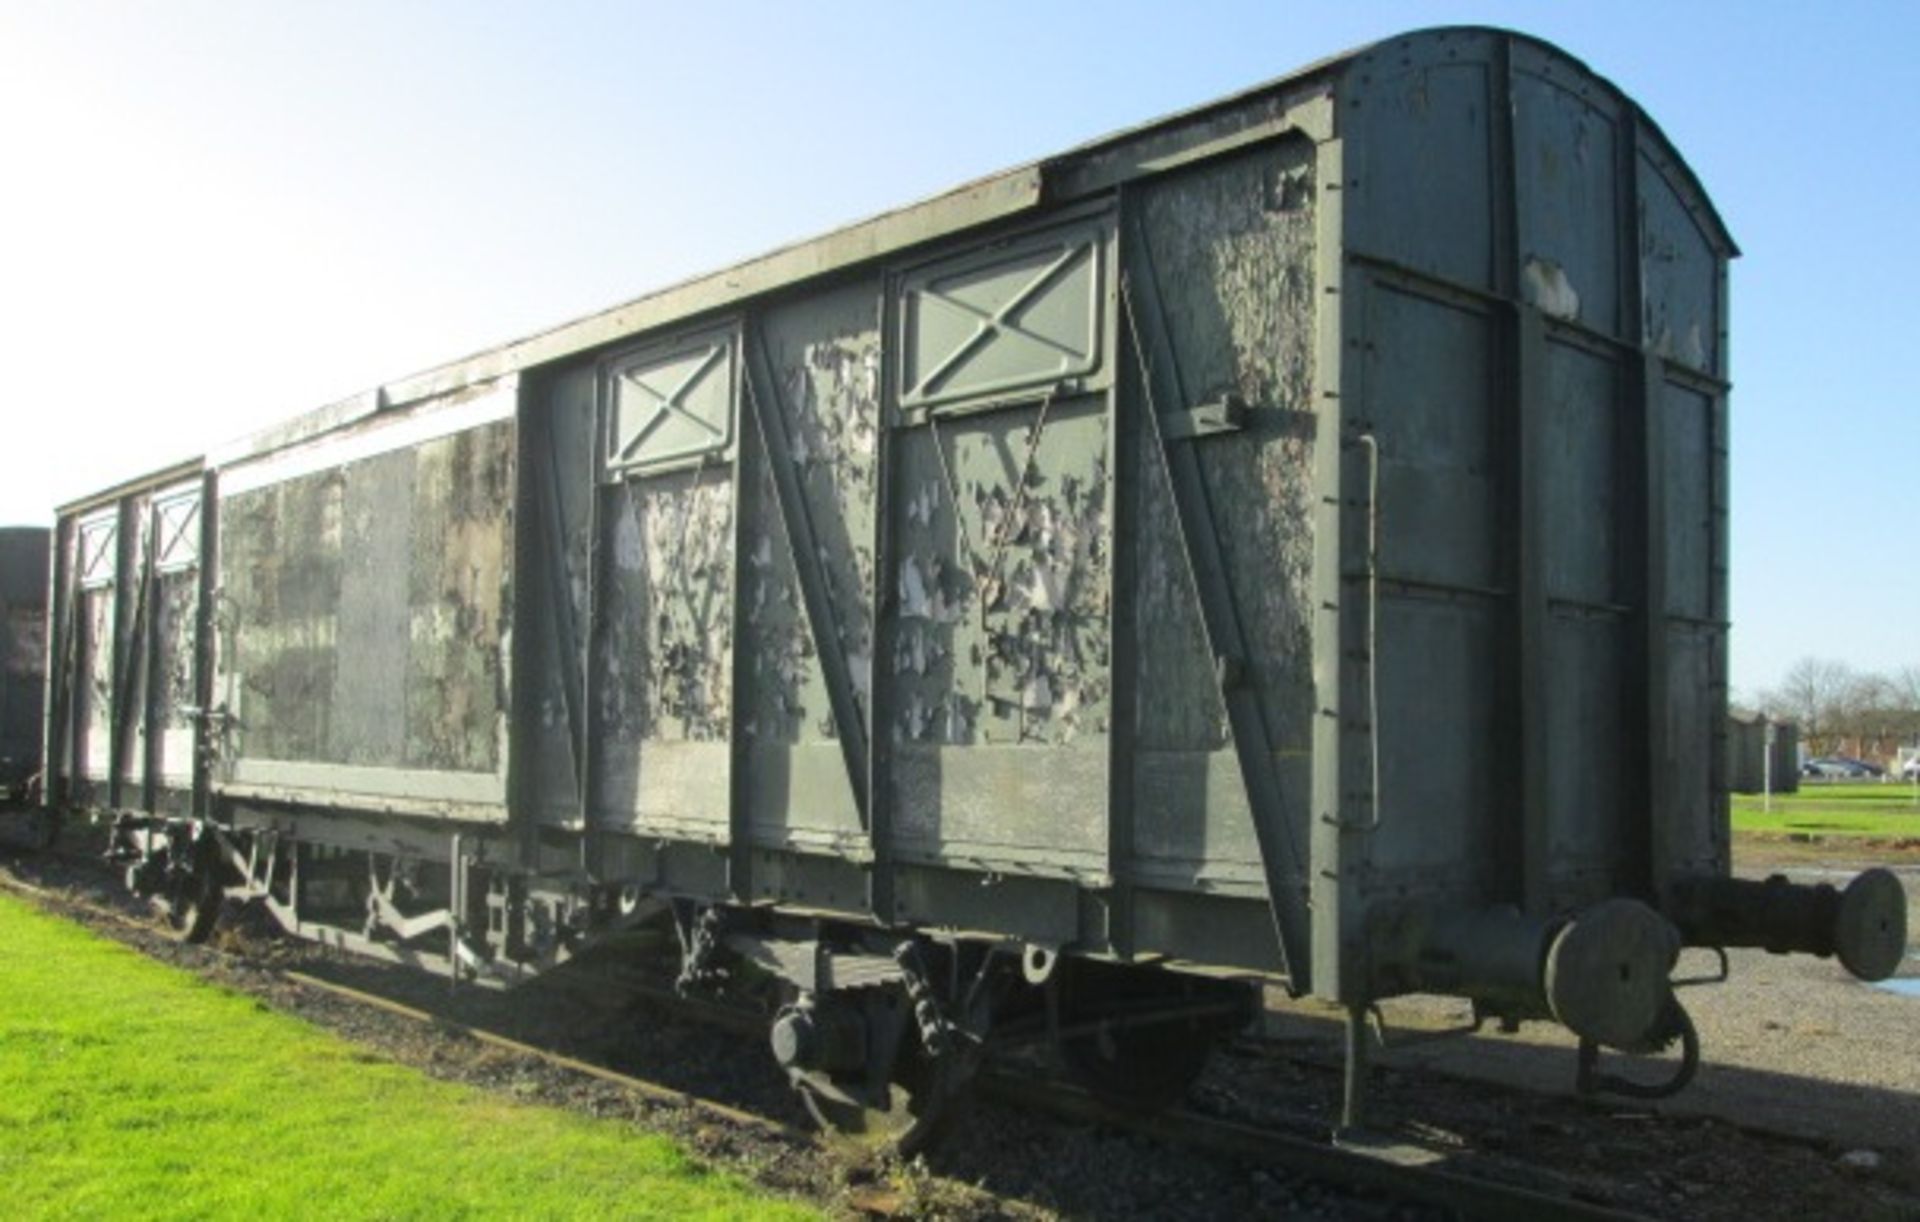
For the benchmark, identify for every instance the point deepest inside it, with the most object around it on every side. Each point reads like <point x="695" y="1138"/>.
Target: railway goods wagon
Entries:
<point x="25" y="822"/>
<point x="23" y="655"/>
<point x="1285" y="543"/>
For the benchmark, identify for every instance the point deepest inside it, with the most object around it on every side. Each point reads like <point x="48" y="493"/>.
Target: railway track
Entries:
<point x="1464" y="1195"/>
<point x="1366" y="1171"/>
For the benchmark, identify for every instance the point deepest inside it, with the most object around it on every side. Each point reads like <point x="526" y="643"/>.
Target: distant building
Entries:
<point x="1747" y="755"/>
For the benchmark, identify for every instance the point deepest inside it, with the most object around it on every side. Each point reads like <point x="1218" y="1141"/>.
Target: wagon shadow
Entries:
<point x="1487" y="1106"/>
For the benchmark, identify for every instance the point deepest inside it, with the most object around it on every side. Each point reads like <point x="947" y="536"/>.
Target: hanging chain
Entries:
<point x="984" y="569"/>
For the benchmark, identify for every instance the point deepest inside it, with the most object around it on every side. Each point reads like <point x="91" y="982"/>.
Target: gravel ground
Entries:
<point x="999" y="1163"/>
<point x="1791" y="1046"/>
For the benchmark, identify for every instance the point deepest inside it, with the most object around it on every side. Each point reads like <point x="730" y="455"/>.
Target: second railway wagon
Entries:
<point x="23" y="655"/>
<point x="1284" y="542"/>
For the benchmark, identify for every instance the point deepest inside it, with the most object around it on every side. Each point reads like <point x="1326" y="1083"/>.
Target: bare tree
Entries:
<point x="1843" y="710"/>
<point x="1811" y="694"/>
<point x="1863" y="715"/>
<point x="1903" y="695"/>
<point x="1905" y="685"/>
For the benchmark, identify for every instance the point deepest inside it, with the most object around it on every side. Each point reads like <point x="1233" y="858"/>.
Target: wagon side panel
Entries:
<point x="167" y="644"/>
<point x="1222" y="309"/>
<point x="659" y="692"/>
<point x="365" y="614"/>
<point x="1232" y="253"/>
<point x="23" y="651"/>
<point x="992" y="678"/>
<point x="815" y="369"/>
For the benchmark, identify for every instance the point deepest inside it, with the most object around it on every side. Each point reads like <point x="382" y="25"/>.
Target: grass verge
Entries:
<point x="1872" y="809"/>
<point x="130" y="1088"/>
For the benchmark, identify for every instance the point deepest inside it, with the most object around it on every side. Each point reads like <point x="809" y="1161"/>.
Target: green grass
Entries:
<point x="130" y="1088"/>
<point x="1884" y="811"/>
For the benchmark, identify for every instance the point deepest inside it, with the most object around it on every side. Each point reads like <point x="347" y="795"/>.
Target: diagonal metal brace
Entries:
<point x="1281" y="858"/>
<point x="770" y="424"/>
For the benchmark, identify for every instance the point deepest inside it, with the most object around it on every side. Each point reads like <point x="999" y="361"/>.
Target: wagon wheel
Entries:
<point x="915" y="1111"/>
<point x="919" y="1095"/>
<point x="188" y="904"/>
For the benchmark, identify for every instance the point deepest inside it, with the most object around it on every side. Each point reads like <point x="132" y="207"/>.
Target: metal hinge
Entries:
<point x="1224" y="415"/>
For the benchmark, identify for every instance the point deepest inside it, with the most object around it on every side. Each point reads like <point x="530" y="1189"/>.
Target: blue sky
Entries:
<point x="214" y="215"/>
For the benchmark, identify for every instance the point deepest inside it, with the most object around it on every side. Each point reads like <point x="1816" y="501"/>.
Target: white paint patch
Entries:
<point x="921" y="596"/>
<point x="959" y="729"/>
<point x="1696" y="351"/>
<point x="913" y="591"/>
<point x="1037" y="695"/>
<point x="1547" y="288"/>
<point x="860" y="669"/>
<point x="629" y="550"/>
<point x="1043" y="592"/>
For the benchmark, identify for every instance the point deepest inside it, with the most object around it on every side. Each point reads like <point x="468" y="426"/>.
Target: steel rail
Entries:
<point x="1468" y="1196"/>
<point x="640" y="1086"/>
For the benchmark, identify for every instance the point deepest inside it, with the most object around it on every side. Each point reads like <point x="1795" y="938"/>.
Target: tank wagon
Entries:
<point x="1282" y="543"/>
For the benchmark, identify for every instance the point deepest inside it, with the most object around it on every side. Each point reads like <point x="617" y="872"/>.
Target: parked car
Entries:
<point x="1910" y="771"/>
<point x="1837" y="768"/>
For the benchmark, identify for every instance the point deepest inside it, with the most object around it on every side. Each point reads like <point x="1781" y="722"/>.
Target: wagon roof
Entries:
<point x="1145" y="148"/>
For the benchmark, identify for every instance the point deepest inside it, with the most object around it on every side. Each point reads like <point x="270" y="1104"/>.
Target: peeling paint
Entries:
<point x="1549" y="290"/>
<point x="406" y="555"/>
<point x="1004" y="580"/>
<point x="280" y="549"/>
<point x="926" y="597"/>
<point x="628" y="550"/>
<point x="97" y="692"/>
<point x="1235" y="282"/>
<point x="666" y="632"/>
<point x="460" y="595"/>
<point x="179" y="599"/>
<point x="825" y="359"/>
<point x="1680" y="313"/>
